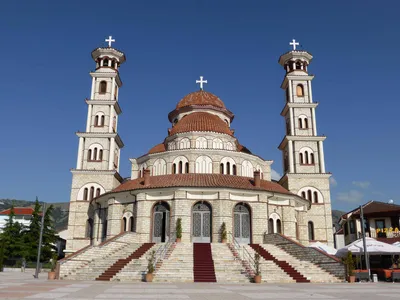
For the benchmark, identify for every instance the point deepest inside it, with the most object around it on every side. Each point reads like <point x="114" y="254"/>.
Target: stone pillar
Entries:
<point x="291" y="161"/>
<point x="110" y="127"/>
<point x="111" y="154"/>
<point x="93" y="88"/>
<point x="314" y="122"/>
<point x="89" y="118"/>
<point x="291" y="117"/>
<point x="310" y="91"/>
<point x="290" y="91"/>
<point x="80" y="153"/>
<point x="321" y="157"/>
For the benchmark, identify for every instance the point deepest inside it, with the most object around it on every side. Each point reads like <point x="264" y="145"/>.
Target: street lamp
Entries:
<point x="40" y="242"/>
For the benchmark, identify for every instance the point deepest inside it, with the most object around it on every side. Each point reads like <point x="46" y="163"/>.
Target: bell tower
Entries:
<point x="97" y="167"/>
<point x="302" y="148"/>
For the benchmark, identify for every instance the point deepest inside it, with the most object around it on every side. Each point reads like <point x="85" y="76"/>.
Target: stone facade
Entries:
<point x="103" y="205"/>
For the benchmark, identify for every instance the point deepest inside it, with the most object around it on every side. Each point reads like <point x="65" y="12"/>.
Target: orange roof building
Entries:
<point x="200" y="173"/>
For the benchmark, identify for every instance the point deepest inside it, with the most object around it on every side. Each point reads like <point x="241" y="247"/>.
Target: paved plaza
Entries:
<point x="14" y="285"/>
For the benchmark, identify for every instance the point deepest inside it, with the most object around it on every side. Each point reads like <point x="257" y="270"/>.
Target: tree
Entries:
<point x="32" y="238"/>
<point x="12" y="237"/>
<point x="49" y="235"/>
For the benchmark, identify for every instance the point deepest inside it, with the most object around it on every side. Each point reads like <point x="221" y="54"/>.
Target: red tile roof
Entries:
<point x="18" y="211"/>
<point x="200" y="98"/>
<point x="157" y="148"/>
<point x="201" y="121"/>
<point x="201" y="180"/>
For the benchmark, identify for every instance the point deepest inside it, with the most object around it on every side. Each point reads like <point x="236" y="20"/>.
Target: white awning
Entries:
<point x="374" y="247"/>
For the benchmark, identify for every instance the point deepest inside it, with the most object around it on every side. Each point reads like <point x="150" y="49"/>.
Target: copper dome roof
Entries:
<point x="202" y="98"/>
<point x="201" y="121"/>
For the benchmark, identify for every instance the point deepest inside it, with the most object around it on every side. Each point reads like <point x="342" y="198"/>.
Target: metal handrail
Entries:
<point x="163" y="250"/>
<point x="243" y="253"/>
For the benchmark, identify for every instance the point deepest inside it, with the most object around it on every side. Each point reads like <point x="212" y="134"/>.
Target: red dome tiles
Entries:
<point x="201" y="121"/>
<point x="157" y="148"/>
<point x="200" y="98"/>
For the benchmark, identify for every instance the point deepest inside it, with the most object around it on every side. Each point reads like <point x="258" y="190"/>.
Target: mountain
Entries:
<point x="336" y="214"/>
<point x="60" y="213"/>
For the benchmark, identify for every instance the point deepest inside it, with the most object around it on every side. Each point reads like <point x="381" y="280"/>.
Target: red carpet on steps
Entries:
<point x="120" y="263"/>
<point x="282" y="264"/>
<point x="203" y="264"/>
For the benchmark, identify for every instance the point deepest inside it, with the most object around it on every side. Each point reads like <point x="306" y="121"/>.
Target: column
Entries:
<point x="111" y="154"/>
<point x="110" y="128"/>
<point x="112" y="88"/>
<point x="119" y="159"/>
<point x="321" y="157"/>
<point x="290" y="91"/>
<point x="291" y="162"/>
<point x="93" y="87"/>
<point x="89" y="118"/>
<point x="80" y="154"/>
<point x="291" y="116"/>
<point x="314" y="122"/>
<point x="309" y="92"/>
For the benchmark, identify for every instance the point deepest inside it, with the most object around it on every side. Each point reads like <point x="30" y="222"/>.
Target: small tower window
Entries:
<point x="187" y="168"/>
<point x="300" y="123"/>
<point x="100" y="154"/>
<point x="309" y="195"/>
<point x="301" y="158"/>
<point x="305" y="123"/>
<point x="315" y="197"/>
<point x="95" y="154"/>
<point x="303" y="194"/>
<point x="298" y="65"/>
<point x="97" y="192"/>
<point x="85" y="194"/>
<point x="96" y="120"/>
<point x="89" y="155"/>
<point x="105" y="62"/>
<point x="103" y="87"/>
<point x="228" y="168"/>
<point x="180" y="167"/>
<point x="91" y="193"/>
<point x="102" y="120"/>
<point x="113" y="64"/>
<point x="312" y="161"/>
<point x="221" y="168"/>
<point x="300" y="90"/>
<point x="173" y="168"/>
<point x="234" y="169"/>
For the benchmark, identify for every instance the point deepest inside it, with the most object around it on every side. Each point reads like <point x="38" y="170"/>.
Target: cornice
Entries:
<point x="102" y="135"/>
<point x="296" y="138"/>
<point x="105" y="102"/>
<point x="297" y="105"/>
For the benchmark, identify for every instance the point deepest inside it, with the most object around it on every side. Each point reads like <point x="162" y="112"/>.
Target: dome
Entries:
<point x="200" y="98"/>
<point x="157" y="148"/>
<point x="201" y="121"/>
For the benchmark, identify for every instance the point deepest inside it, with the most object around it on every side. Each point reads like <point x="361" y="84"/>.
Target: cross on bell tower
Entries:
<point x="201" y="82"/>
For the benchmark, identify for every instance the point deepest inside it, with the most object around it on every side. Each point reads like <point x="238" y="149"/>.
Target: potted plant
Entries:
<point x="349" y="261"/>
<point x="178" y="230"/>
<point x="52" y="274"/>
<point x="150" y="266"/>
<point x="257" y="277"/>
<point x="223" y="233"/>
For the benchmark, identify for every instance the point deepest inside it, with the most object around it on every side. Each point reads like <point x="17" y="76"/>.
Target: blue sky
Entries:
<point x="235" y="45"/>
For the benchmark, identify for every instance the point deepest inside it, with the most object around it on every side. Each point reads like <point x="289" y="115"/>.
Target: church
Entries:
<point x="200" y="173"/>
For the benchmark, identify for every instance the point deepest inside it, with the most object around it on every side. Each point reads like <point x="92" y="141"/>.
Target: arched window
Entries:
<point x="305" y="123"/>
<point x="270" y="225"/>
<point x="312" y="158"/>
<point x="278" y="226"/>
<point x="306" y="157"/>
<point x="303" y="194"/>
<point x="173" y="168"/>
<point x="91" y="193"/>
<point x="221" y="168"/>
<point x="113" y="64"/>
<point x="89" y="155"/>
<point x="97" y="192"/>
<point x="187" y="168"/>
<point x="204" y="165"/>
<point x="228" y="168"/>
<point x="229" y="146"/>
<point x="105" y="62"/>
<point x="298" y="65"/>
<point x="100" y="154"/>
<point x="103" y="87"/>
<point x="300" y="123"/>
<point x="159" y="167"/>
<point x="309" y="195"/>
<point x="247" y="169"/>
<point x="201" y="143"/>
<point x="85" y="194"/>
<point x="301" y="158"/>
<point x="315" y="197"/>
<point x="180" y="167"/>
<point x="96" y="120"/>
<point x="311" y="231"/>
<point x="123" y="224"/>
<point x="184" y="143"/>
<point x="102" y="120"/>
<point x="131" y="224"/>
<point x="95" y="153"/>
<point x="217" y="144"/>
<point x="234" y="172"/>
<point x="300" y="90"/>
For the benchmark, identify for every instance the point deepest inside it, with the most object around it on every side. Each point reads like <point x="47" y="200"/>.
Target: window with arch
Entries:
<point x="311" y="236"/>
<point x="132" y="226"/>
<point x="228" y="166"/>
<point x="159" y="167"/>
<point x="217" y="144"/>
<point x="180" y="165"/>
<point x="274" y="223"/>
<point x="105" y="62"/>
<point x="103" y="87"/>
<point x="171" y="146"/>
<point x="221" y="168"/>
<point x="247" y="169"/>
<point x="229" y="146"/>
<point x="99" y="120"/>
<point x="203" y="165"/>
<point x="300" y="90"/>
<point x="184" y="143"/>
<point x="306" y="156"/>
<point x="91" y="195"/>
<point x="201" y="143"/>
<point x="303" y="122"/>
<point x="141" y="169"/>
<point x="234" y="170"/>
<point x="298" y="65"/>
<point x="124" y="224"/>
<point x="312" y="194"/>
<point x="95" y="153"/>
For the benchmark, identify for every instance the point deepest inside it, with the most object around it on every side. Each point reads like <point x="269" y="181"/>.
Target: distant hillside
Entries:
<point x="60" y="213"/>
<point x="336" y="214"/>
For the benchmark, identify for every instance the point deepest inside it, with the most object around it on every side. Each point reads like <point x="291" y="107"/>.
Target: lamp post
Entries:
<point x="364" y="242"/>
<point x="40" y="242"/>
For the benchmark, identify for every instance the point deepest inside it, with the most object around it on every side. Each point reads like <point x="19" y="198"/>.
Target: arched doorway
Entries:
<point x="241" y="223"/>
<point x="160" y="223"/>
<point x="201" y="231"/>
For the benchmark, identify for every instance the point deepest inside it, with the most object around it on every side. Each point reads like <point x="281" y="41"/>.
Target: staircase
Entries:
<point x="203" y="264"/>
<point x="228" y="268"/>
<point x="178" y="267"/>
<point x="108" y="274"/>
<point x="292" y="272"/>
<point x="324" y="261"/>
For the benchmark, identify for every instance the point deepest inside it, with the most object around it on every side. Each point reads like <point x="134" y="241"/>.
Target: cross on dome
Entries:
<point x="110" y="40"/>
<point x="201" y="81"/>
<point x="294" y="44"/>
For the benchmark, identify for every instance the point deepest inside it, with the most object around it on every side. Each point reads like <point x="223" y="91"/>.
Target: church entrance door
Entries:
<point x="201" y="223"/>
<point x="241" y="224"/>
<point x="161" y="223"/>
